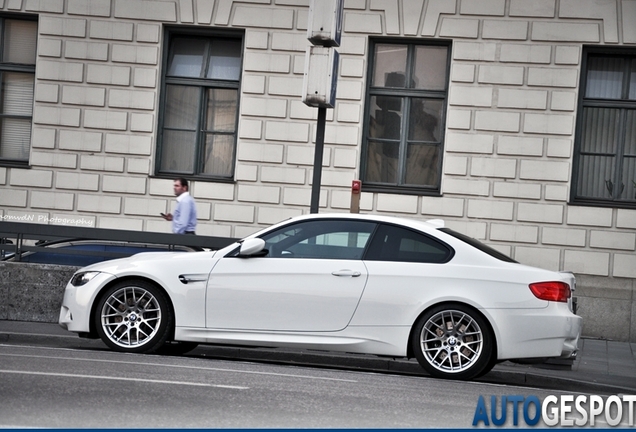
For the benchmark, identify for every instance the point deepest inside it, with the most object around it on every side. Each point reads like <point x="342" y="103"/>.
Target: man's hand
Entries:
<point x="166" y="216"/>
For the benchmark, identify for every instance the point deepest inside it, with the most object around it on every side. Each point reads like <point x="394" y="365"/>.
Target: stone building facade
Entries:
<point x="514" y="151"/>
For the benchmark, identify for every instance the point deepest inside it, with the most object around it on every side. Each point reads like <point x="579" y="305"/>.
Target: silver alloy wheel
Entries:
<point x="451" y="341"/>
<point x="131" y="317"/>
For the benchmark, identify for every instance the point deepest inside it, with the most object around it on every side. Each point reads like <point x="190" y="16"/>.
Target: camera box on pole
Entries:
<point x="321" y="77"/>
<point x="324" y="24"/>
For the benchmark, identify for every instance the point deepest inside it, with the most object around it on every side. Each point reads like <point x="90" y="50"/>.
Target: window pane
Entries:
<point x="425" y="119"/>
<point x="16" y="138"/>
<point x="430" y="68"/>
<point x="604" y="77"/>
<point x="177" y="151"/>
<point x="632" y="81"/>
<point x="390" y="66"/>
<point x="20" y="38"/>
<point x="600" y="130"/>
<point x="221" y="110"/>
<point x="225" y="60"/>
<point x="629" y="179"/>
<point x="17" y="94"/>
<point x="326" y="239"/>
<point x="629" y="159"/>
<point x="382" y="162"/>
<point x="186" y="57"/>
<point x="218" y="158"/>
<point x="392" y="243"/>
<point x="182" y="107"/>
<point x="422" y="163"/>
<point x="596" y="177"/>
<point x="630" y="133"/>
<point x="386" y="117"/>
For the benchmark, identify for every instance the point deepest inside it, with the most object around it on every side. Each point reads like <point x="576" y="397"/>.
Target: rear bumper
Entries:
<point x="550" y="332"/>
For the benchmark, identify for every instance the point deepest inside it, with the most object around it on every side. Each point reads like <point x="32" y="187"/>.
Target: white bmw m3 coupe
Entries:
<point x="341" y="282"/>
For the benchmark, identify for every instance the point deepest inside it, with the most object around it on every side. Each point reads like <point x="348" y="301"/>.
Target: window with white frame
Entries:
<point x="605" y="147"/>
<point x="200" y="101"/>
<point x="17" y="77"/>
<point x="405" y="114"/>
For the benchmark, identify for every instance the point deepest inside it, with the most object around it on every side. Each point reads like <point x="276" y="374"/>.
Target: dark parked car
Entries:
<point x="77" y="252"/>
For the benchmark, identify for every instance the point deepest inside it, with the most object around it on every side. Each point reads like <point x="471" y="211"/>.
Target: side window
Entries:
<point x="200" y="106"/>
<point x="392" y="243"/>
<point x="17" y="76"/>
<point x="322" y="239"/>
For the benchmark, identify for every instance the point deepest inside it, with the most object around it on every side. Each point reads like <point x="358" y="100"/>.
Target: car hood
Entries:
<point x="121" y="264"/>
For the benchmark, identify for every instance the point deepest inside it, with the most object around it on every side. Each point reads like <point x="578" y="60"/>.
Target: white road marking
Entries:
<point x="170" y="366"/>
<point x="121" y="379"/>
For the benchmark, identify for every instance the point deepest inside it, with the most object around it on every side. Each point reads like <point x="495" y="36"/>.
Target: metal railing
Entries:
<point x="15" y="239"/>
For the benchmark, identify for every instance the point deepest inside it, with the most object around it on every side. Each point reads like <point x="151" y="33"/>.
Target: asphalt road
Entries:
<point x="48" y="384"/>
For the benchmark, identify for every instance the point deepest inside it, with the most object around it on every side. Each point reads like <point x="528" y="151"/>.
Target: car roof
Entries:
<point x="423" y="225"/>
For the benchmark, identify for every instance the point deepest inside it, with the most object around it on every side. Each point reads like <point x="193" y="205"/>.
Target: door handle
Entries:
<point x="349" y="273"/>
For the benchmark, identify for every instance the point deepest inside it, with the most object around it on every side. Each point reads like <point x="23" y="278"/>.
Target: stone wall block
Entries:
<point x="80" y="141"/>
<point x="146" y="10"/>
<point x="96" y="119"/>
<point x="490" y="209"/>
<point x="135" y="54"/>
<point x="109" y="75"/>
<point x="397" y="203"/>
<point x="86" y="50"/>
<point x="62" y="26"/>
<point x="518" y="53"/>
<point x="99" y="8"/>
<point x="119" y="31"/>
<point x="52" y="200"/>
<point x="504" y="30"/>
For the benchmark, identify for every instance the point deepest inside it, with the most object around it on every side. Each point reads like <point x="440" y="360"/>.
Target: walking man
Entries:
<point x="184" y="220"/>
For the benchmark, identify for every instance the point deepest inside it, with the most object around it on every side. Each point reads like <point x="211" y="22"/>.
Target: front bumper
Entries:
<point x="75" y="312"/>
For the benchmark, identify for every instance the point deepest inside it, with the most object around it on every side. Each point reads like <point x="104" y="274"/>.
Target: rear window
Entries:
<point x="393" y="243"/>
<point x="479" y="245"/>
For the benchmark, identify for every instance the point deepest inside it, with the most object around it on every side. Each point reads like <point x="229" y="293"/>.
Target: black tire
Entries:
<point x="133" y="316"/>
<point x="176" y="348"/>
<point x="453" y="341"/>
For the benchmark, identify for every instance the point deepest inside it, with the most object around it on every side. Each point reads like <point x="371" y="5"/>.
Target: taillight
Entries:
<point x="551" y="291"/>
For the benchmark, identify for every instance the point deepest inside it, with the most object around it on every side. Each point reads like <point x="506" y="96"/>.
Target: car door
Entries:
<point x="406" y="268"/>
<point x="311" y="279"/>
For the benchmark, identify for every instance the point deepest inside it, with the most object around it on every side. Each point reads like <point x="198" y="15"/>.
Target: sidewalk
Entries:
<point x="601" y="367"/>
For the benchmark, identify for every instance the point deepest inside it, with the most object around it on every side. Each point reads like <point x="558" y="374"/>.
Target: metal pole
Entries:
<point x="320" y="145"/>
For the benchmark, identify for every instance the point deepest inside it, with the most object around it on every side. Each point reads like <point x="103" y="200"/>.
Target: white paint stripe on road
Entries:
<point x="169" y="366"/>
<point x="55" y="374"/>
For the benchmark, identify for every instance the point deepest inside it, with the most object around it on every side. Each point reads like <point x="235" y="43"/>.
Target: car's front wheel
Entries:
<point x="453" y="341"/>
<point x="133" y="316"/>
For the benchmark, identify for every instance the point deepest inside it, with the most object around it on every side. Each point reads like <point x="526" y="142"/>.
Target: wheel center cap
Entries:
<point x="132" y="317"/>
<point x="452" y="341"/>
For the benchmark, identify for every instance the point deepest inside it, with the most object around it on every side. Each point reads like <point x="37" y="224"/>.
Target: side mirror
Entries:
<point x="252" y="247"/>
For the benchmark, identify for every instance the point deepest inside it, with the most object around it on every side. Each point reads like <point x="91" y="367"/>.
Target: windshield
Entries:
<point x="479" y="245"/>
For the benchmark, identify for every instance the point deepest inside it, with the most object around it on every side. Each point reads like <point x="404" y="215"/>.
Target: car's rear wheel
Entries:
<point x="453" y="341"/>
<point x="133" y="316"/>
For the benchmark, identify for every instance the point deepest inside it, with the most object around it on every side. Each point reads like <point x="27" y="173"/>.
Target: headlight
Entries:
<point x="83" y="278"/>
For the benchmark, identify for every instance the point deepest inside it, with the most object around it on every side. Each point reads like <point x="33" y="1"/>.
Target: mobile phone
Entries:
<point x="163" y="214"/>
